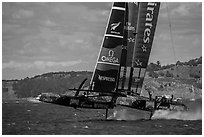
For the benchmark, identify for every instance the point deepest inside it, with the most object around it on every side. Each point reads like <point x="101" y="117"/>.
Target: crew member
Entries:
<point x="150" y="92"/>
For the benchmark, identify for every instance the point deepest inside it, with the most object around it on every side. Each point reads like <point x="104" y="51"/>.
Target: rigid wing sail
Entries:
<point x="121" y="64"/>
<point x="133" y="69"/>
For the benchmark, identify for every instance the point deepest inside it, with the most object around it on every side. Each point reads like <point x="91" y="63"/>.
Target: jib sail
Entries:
<point x="147" y="20"/>
<point x="108" y="63"/>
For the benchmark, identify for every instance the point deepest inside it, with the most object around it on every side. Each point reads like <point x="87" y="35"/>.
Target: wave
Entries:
<point x="33" y="100"/>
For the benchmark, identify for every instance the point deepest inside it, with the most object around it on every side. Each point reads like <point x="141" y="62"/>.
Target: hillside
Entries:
<point x="174" y="86"/>
<point x="58" y="82"/>
<point x="7" y="90"/>
<point x="182" y="70"/>
<point x="177" y="80"/>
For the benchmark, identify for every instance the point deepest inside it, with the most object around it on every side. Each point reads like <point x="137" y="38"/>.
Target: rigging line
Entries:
<point x="170" y="28"/>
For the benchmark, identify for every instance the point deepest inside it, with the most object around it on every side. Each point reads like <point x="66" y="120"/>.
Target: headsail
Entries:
<point x="147" y="20"/>
<point x="108" y="63"/>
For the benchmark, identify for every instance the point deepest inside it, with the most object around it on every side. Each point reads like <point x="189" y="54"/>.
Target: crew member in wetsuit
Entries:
<point x="150" y="92"/>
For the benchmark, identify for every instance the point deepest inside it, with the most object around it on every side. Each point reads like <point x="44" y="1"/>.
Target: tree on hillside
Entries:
<point x="153" y="74"/>
<point x="199" y="60"/>
<point x="192" y="63"/>
<point x="153" y="67"/>
<point x="178" y="63"/>
<point x="158" y="64"/>
<point x="168" y="74"/>
<point x="58" y="82"/>
<point x="160" y="73"/>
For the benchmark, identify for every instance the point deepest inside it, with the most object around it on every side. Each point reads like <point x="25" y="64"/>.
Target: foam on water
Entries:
<point x="194" y="113"/>
<point x="33" y="100"/>
<point x="181" y="115"/>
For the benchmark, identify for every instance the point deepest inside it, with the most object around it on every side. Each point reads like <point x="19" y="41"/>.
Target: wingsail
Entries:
<point x="108" y="63"/>
<point x="147" y="20"/>
<point x="145" y="25"/>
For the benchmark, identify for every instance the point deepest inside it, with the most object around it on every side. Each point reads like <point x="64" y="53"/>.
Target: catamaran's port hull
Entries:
<point x="77" y="102"/>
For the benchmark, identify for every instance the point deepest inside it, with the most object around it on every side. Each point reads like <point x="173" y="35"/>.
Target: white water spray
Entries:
<point x="180" y="115"/>
<point x="33" y="100"/>
<point x="194" y="113"/>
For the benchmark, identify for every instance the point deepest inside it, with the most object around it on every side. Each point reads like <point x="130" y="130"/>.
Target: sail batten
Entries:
<point x="116" y="36"/>
<point x="108" y="63"/>
<point x="118" y="8"/>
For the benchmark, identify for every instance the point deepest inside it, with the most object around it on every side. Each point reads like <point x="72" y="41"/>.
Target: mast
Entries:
<point x="132" y="66"/>
<point x="131" y="13"/>
<point x="123" y="52"/>
<point x="124" y="48"/>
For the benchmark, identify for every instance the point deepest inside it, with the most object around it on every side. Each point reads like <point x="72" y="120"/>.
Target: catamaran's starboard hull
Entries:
<point x="143" y="104"/>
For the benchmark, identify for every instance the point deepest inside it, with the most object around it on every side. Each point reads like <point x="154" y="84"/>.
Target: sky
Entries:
<point x="50" y="37"/>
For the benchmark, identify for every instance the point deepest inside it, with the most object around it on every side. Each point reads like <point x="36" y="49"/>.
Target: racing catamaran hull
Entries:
<point x="76" y="102"/>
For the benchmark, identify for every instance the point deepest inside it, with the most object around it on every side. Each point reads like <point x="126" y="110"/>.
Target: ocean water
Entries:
<point x="28" y="117"/>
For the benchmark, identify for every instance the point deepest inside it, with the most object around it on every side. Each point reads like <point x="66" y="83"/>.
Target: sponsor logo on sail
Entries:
<point x="144" y="48"/>
<point x="131" y="40"/>
<point x="129" y="26"/>
<point x="104" y="78"/>
<point x="114" y="26"/>
<point x="149" y="21"/>
<point x="110" y="58"/>
<point x="110" y="53"/>
<point x="138" y="62"/>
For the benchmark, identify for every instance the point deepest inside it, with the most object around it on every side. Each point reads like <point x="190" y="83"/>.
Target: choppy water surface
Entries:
<point x="29" y="117"/>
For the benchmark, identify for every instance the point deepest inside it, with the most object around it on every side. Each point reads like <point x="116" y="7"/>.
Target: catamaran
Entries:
<point x="120" y="69"/>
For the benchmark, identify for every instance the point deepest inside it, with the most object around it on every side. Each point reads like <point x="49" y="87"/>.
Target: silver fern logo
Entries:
<point x="115" y="25"/>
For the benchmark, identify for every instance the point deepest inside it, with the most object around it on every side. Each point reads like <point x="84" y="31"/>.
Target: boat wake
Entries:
<point x="180" y="115"/>
<point x="194" y="112"/>
<point x="33" y="100"/>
